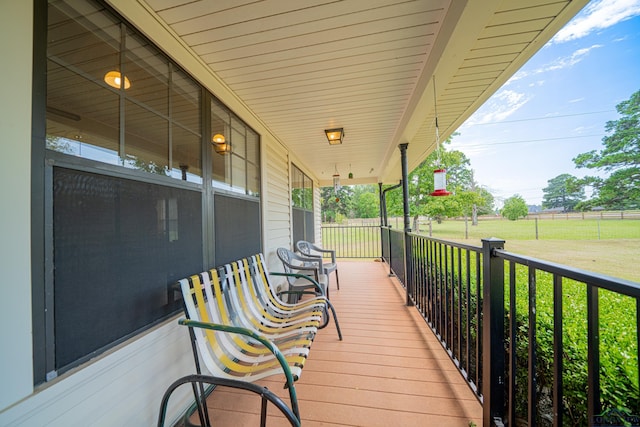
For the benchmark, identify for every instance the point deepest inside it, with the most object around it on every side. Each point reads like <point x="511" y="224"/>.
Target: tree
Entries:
<point x="465" y="192"/>
<point x="620" y="157"/>
<point x="334" y="205"/>
<point x="476" y="201"/>
<point x="366" y="202"/>
<point x="421" y="184"/>
<point x="487" y="206"/>
<point x="561" y="193"/>
<point x="514" y="207"/>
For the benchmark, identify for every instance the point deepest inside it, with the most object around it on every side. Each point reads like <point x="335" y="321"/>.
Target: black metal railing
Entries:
<point x="539" y="343"/>
<point x="393" y="251"/>
<point x="445" y="287"/>
<point x="352" y="241"/>
<point x="501" y="318"/>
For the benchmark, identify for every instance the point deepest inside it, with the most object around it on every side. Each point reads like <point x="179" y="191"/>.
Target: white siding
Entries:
<point x="15" y="192"/>
<point x="317" y="215"/>
<point x="277" y="203"/>
<point x="123" y="387"/>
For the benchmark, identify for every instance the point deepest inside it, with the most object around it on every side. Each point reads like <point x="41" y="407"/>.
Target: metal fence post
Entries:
<point x="493" y="339"/>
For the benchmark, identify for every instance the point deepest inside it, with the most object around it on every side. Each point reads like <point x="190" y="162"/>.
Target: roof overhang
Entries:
<point x="369" y="67"/>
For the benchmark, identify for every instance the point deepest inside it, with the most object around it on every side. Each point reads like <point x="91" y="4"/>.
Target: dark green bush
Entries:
<point x="618" y="364"/>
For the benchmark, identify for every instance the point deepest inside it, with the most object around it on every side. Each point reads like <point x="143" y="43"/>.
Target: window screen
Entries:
<point x="302" y="205"/>
<point x="237" y="228"/>
<point x="118" y="246"/>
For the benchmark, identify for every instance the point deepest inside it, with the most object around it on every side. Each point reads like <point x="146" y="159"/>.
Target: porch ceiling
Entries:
<point x="364" y="65"/>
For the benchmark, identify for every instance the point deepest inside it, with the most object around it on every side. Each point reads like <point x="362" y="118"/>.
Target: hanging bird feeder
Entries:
<point x="440" y="174"/>
<point x="440" y="183"/>
<point x="336" y="181"/>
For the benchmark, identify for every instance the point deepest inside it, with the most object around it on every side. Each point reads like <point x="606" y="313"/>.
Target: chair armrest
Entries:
<point x="309" y="264"/>
<point x="249" y="333"/>
<point x="301" y="276"/>
<point x="327" y="251"/>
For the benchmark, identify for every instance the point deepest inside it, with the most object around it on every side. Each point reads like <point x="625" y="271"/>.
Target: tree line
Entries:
<point x="617" y="187"/>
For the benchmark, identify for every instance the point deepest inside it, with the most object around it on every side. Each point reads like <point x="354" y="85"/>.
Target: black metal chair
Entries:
<point x="310" y="250"/>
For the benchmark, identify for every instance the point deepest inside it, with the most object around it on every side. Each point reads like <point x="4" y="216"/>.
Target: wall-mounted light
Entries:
<point x="220" y="144"/>
<point x="114" y="79"/>
<point x="334" y="135"/>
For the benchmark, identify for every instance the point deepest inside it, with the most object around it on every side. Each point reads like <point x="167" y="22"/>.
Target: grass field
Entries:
<point x="569" y="242"/>
<point x="547" y="229"/>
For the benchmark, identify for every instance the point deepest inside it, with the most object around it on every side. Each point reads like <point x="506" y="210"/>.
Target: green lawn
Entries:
<point x="570" y="242"/>
<point x="547" y="229"/>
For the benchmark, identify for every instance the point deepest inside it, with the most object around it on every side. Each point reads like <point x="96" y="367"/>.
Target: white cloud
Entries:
<point x="558" y="64"/>
<point x="499" y="107"/>
<point x="596" y="16"/>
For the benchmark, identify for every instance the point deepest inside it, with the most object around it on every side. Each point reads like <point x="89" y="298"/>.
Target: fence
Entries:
<point x="358" y="241"/>
<point x="528" y="335"/>
<point x="566" y="226"/>
<point x="539" y="343"/>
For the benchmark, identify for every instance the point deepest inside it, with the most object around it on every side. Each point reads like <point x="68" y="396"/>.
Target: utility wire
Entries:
<point x="541" y="118"/>
<point x="528" y="140"/>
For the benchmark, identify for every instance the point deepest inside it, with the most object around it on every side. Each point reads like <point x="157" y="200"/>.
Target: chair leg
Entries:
<point x="337" y="279"/>
<point x="335" y="319"/>
<point x="325" y="318"/>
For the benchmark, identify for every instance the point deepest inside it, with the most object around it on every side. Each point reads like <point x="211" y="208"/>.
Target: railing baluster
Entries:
<point x="459" y="283"/>
<point x="478" y="343"/>
<point x="533" y="357"/>
<point x="638" y="342"/>
<point x="558" y="351"/>
<point x="593" y="353"/>
<point x="468" y="315"/>
<point x="513" y="345"/>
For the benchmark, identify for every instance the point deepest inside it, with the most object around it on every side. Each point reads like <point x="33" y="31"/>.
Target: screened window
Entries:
<point x="114" y="98"/>
<point x="302" y="205"/>
<point x="126" y="208"/>
<point x="119" y="246"/>
<point x="235" y="149"/>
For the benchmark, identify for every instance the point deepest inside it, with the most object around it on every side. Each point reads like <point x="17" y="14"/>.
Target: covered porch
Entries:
<point x="389" y="369"/>
<point x="147" y="161"/>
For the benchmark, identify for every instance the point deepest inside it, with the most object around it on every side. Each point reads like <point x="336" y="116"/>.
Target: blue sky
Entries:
<point x="557" y="105"/>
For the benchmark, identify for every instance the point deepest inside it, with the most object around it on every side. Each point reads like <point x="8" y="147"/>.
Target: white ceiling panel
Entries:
<point x="365" y="65"/>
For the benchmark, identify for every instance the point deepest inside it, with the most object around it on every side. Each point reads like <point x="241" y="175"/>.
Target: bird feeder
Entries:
<point x="440" y="174"/>
<point x="336" y="183"/>
<point x="440" y="183"/>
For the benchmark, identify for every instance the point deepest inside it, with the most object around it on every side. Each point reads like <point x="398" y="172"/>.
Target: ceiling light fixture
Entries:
<point x="334" y="135"/>
<point x="114" y="79"/>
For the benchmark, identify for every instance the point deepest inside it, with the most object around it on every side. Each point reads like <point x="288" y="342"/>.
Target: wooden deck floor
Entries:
<point x="389" y="370"/>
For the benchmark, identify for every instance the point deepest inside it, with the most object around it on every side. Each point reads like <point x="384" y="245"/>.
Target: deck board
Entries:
<point x="389" y="369"/>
